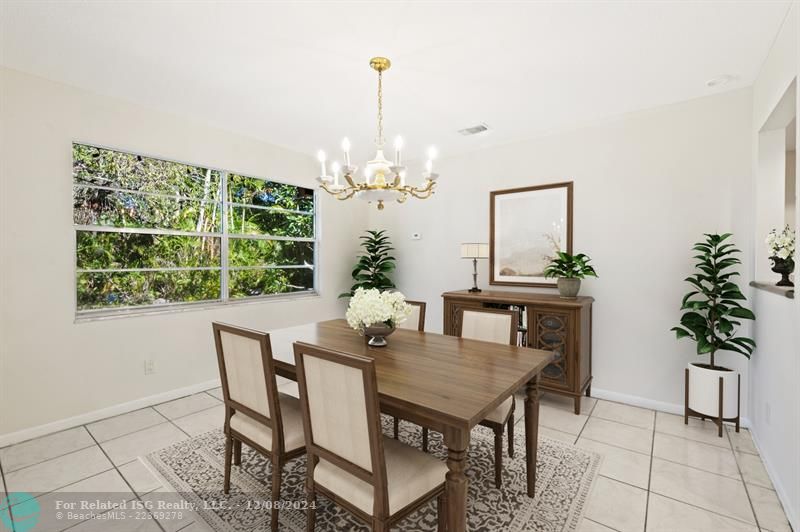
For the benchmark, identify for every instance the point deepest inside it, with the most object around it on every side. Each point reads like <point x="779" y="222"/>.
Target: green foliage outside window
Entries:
<point x="161" y="215"/>
<point x="96" y="250"/>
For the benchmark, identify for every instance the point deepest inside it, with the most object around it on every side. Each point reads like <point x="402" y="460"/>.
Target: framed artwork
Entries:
<point x="526" y="228"/>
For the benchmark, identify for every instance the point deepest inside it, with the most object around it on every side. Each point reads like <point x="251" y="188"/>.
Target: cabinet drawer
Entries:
<point x="550" y="330"/>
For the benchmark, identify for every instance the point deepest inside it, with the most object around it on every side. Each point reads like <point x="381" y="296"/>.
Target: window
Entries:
<point x="150" y="232"/>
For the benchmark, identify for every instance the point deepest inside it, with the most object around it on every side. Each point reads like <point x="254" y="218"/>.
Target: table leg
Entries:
<point x="457" y="442"/>
<point x="531" y="431"/>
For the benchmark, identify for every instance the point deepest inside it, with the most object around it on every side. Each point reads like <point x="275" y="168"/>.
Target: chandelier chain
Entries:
<point x="379" y="139"/>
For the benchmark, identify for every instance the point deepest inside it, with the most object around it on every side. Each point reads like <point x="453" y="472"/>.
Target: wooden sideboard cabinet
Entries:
<point x="552" y="323"/>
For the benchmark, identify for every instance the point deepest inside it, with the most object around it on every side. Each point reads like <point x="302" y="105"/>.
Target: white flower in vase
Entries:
<point x="373" y="307"/>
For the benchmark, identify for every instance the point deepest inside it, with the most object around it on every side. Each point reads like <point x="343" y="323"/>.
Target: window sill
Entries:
<point x="102" y="315"/>
<point x="785" y="291"/>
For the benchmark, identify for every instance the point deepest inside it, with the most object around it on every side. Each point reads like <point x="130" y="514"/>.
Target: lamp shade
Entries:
<point x="474" y="250"/>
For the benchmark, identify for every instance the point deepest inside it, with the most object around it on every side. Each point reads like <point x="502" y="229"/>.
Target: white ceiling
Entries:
<point x="296" y="74"/>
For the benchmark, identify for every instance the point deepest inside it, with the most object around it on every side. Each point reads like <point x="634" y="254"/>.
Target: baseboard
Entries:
<point x="643" y="402"/>
<point x="96" y="415"/>
<point x="790" y="512"/>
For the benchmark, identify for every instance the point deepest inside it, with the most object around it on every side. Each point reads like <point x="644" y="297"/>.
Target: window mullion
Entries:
<point x="224" y="258"/>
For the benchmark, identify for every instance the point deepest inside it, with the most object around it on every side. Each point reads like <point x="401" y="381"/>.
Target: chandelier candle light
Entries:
<point x="383" y="180"/>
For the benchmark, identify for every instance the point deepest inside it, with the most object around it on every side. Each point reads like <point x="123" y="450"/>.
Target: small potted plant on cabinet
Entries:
<point x="569" y="269"/>
<point x="712" y="311"/>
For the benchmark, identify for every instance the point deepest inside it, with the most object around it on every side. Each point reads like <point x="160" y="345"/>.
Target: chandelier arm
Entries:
<point x="429" y="185"/>
<point x="420" y="193"/>
<point x="344" y="194"/>
<point x="350" y="193"/>
<point x="424" y="195"/>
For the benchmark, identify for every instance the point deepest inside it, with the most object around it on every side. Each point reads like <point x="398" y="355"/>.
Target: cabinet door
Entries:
<point x="549" y="330"/>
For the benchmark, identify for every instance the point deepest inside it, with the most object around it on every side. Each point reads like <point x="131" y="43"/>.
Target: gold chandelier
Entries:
<point x="383" y="180"/>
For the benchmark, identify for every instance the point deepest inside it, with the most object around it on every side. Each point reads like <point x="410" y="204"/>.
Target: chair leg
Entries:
<point x="498" y="456"/>
<point x="511" y="436"/>
<point x="379" y="525"/>
<point x="237" y="453"/>
<point x="277" y="467"/>
<point x="396" y="428"/>
<point x="311" y="511"/>
<point x="226" y="484"/>
<point x="424" y="439"/>
<point x="441" y="511"/>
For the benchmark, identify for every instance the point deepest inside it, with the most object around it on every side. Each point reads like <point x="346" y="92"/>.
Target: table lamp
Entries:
<point x="474" y="251"/>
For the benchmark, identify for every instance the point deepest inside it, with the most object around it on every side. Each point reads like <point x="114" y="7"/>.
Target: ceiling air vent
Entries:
<point x="474" y="130"/>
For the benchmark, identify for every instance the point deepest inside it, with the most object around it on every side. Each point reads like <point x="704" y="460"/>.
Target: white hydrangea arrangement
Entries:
<point x="370" y="307"/>
<point x="781" y="244"/>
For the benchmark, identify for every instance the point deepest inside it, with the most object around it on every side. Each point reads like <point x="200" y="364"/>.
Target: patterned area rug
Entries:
<point x="565" y="474"/>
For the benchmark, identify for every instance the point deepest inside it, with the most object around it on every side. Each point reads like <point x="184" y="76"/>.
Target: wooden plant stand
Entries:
<point x="719" y="420"/>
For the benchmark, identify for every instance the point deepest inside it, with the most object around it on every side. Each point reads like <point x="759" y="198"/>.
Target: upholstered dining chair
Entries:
<point x="256" y="413"/>
<point x="416" y="322"/>
<point x="350" y="461"/>
<point x="499" y="326"/>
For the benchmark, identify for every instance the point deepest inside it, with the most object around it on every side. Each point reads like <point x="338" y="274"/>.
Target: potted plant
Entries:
<point x="373" y="264"/>
<point x="712" y="311"/>
<point x="376" y="314"/>
<point x="569" y="269"/>
<point x="781" y="250"/>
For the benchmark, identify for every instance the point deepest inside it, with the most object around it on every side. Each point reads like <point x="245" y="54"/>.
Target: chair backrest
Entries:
<point x="248" y="376"/>
<point x="341" y="414"/>
<point x="489" y="325"/>
<point x="416" y="320"/>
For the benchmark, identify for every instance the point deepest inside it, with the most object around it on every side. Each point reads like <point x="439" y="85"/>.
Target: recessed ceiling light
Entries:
<point x="721" y="80"/>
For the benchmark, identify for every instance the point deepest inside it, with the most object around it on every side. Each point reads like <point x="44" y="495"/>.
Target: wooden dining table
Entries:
<point x="444" y="383"/>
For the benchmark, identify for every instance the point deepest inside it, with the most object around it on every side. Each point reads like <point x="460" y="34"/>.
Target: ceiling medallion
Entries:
<point x="383" y="180"/>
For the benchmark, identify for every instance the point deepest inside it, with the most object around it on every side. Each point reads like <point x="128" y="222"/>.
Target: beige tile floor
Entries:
<point x="657" y="473"/>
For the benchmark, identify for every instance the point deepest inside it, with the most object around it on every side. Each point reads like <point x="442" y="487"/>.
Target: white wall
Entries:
<point x="790" y="186"/>
<point x="52" y="368"/>
<point x="775" y="366"/>
<point x="770" y="190"/>
<point x="647" y="185"/>
<point x="774" y="407"/>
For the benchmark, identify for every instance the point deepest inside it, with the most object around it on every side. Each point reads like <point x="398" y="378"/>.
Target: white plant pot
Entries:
<point x="704" y="391"/>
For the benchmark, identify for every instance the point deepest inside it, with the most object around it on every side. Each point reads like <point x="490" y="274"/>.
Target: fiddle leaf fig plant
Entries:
<point x="712" y="309"/>
<point x="373" y="264"/>
<point x="569" y="266"/>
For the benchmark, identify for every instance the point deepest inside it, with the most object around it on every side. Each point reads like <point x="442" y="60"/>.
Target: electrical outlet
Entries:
<point x="149" y="367"/>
